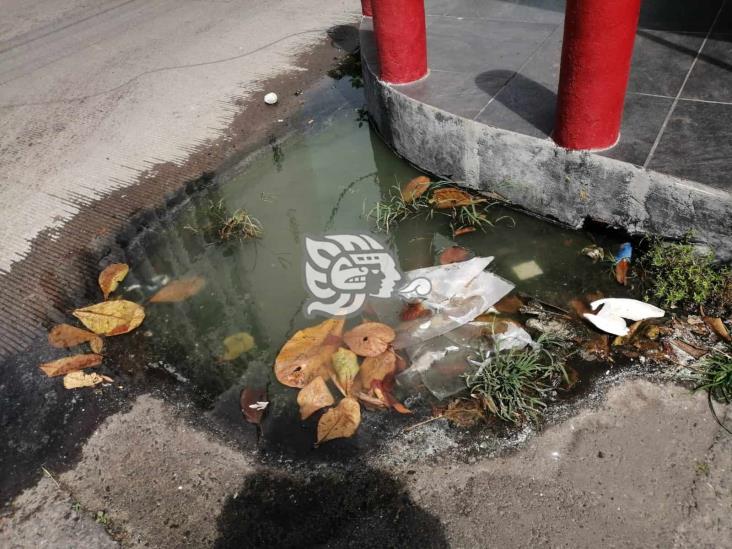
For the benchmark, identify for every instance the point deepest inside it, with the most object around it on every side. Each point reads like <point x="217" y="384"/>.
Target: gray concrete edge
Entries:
<point x="536" y="174"/>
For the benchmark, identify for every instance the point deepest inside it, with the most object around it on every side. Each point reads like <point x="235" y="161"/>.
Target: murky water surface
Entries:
<point x="324" y="180"/>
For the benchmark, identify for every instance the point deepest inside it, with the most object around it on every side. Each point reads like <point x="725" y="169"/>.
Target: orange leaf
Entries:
<point x="454" y="254"/>
<point x="65" y="335"/>
<point x="449" y="197"/>
<point x="111" y="317"/>
<point x="314" y="396"/>
<point x="509" y="304"/>
<point x="412" y="311"/>
<point x="68" y="364"/>
<point x="111" y="276"/>
<point x="307" y="354"/>
<point x="621" y="271"/>
<point x="369" y="338"/>
<point x="179" y="290"/>
<point x="382" y="389"/>
<point x="718" y="327"/>
<point x="339" y="422"/>
<point x="415" y="188"/>
<point x="463" y="230"/>
<point x="377" y="368"/>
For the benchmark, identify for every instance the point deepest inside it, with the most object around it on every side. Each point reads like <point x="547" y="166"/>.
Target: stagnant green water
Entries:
<point x="324" y="180"/>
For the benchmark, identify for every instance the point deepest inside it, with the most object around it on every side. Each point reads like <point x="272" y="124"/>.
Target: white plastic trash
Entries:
<point x="270" y="98"/>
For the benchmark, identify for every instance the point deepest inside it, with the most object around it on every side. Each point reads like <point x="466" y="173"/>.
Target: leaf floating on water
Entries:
<point x="509" y="304"/>
<point x="111" y="276"/>
<point x="415" y="188"/>
<point x="718" y="328"/>
<point x="253" y="403"/>
<point x="339" y="422"/>
<point x="449" y="197"/>
<point x="307" y="354"/>
<point x="377" y="368"/>
<point x="179" y="290"/>
<point x="236" y="345"/>
<point x="454" y="254"/>
<point x="369" y="338"/>
<point x="96" y="345"/>
<point x="65" y="335"/>
<point x="345" y="364"/>
<point x="68" y="364"/>
<point x="76" y="380"/>
<point x="463" y="230"/>
<point x="314" y="396"/>
<point x="412" y="311"/>
<point x="383" y="390"/>
<point x="111" y="318"/>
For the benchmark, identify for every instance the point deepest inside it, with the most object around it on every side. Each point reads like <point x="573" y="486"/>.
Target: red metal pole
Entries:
<point x="401" y="39"/>
<point x="366" y="8"/>
<point x="596" y="54"/>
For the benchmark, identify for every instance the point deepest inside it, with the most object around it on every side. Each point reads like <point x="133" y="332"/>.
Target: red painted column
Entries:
<point x="366" y="8"/>
<point x="401" y="39"/>
<point x="596" y="54"/>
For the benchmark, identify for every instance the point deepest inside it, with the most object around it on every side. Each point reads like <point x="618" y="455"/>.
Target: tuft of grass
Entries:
<point x="677" y="274"/>
<point x="390" y="212"/>
<point x="713" y="374"/>
<point x="515" y="384"/>
<point x="225" y="226"/>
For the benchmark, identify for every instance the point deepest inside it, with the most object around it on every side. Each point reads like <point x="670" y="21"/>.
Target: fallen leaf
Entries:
<point x="383" y="389"/>
<point x="449" y="197"/>
<point x="70" y="364"/>
<point x="111" y="276"/>
<point x="412" y="311"/>
<point x="463" y="230"/>
<point x="345" y="364"/>
<point x="339" y="422"/>
<point x="111" y="318"/>
<point x="236" y="345"/>
<point x="250" y="400"/>
<point x="509" y="304"/>
<point x="415" y="188"/>
<point x="377" y="368"/>
<point x="179" y="290"/>
<point x="621" y="271"/>
<point x="718" y="327"/>
<point x="314" y="396"/>
<point x="65" y="335"/>
<point x="454" y="254"/>
<point x="464" y="412"/>
<point x="307" y="354"/>
<point x="370" y="402"/>
<point x="689" y="349"/>
<point x="369" y="338"/>
<point x="76" y="380"/>
<point x="96" y="345"/>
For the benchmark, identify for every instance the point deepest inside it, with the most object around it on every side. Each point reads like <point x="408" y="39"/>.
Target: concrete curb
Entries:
<point x="567" y="186"/>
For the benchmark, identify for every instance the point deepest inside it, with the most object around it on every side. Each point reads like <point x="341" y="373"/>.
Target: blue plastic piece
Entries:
<point x="625" y="252"/>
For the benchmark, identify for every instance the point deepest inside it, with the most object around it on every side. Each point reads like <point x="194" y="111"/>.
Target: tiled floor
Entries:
<point x="497" y="61"/>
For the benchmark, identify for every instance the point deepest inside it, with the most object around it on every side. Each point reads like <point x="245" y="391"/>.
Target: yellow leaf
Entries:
<point x="345" y="364"/>
<point x="339" y="422"/>
<point x="111" y="276"/>
<point x="75" y="380"/>
<point x="236" y="345"/>
<point x="718" y="327"/>
<point x="314" y="396"/>
<point x="111" y="317"/>
<point x="65" y="335"/>
<point x="70" y="364"/>
<point x="179" y="290"/>
<point x="369" y="338"/>
<point x="307" y="354"/>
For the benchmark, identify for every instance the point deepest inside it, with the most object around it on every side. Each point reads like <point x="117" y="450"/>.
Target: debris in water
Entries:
<point x="415" y="188"/>
<point x="314" y="396"/>
<point x="369" y="338"/>
<point x="451" y="197"/>
<point x="594" y="252"/>
<point x="68" y="364"/>
<point x="76" y="380"/>
<point x="413" y="311"/>
<point x="527" y="270"/>
<point x="179" y="290"/>
<point x="65" y="335"/>
<point x="111" y="276"/>
<point x="345" y="364"/>
<point x="631" y="309"/>
<point x="111" y="318"/>
<point x="236" y="345"/>
<point x="339" y="422"/>
<point x="622" y="263"/>
<point x="270" y="98"/>
<point x="463" y="230"/>
<point x="454" y="254"/>
<point x="253" y="402"/>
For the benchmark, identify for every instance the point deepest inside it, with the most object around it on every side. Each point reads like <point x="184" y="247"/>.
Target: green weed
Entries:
<point x="224" y="226"/>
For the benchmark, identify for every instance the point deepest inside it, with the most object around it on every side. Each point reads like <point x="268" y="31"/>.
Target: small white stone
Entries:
<point x="270" y="98"/>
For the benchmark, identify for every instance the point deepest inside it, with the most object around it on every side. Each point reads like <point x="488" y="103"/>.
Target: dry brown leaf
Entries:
<point x="96" y="345"/>
<point x="718" y="327"/>
<point x="449" y="197"/>
<point x="307" y="354"/>
<point x="314" y="396"/>
<point x="412" y="311"/>
<point x="111" y="276"/>
<point x="369" y="338"/>
<point x="76" y="380"/>
<point x="621" y="271"/>
<point x="65" y="335"/>
<point x="454" y="254"/>
<point x="370" y="402"/>
<point x="383" y="391"/>
<point x="339" y="422"/>
<point x="464" y="412"/>
<point x="179" y="290"/>
<point x="463" y="230"/>
<point x="111" y="318"/>
<point x="70" y="364"/>
<point x="509" y="304"/>
<point x="689" y="349"/>
<point x="253" y="402"/>
<point x="415" y="188"/>
<point x="377" y="368"/>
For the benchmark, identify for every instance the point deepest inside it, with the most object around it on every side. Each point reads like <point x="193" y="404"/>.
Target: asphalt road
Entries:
<point x="94" y="93"/>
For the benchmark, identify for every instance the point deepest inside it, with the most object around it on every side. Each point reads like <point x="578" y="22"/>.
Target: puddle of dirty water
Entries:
<point x="322" y="180"/>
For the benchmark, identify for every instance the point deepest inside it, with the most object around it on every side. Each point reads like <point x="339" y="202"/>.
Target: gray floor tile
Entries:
<point x="643" y="117"/>
<point x="535" y="11"/>
<point x="711" y="78"/>
<point x="697" y="144"/>
<point x="681" y="15"/>
<point x="473" y="46"/>
<point x="661" y="60"/>
<point x="461" y="94"/>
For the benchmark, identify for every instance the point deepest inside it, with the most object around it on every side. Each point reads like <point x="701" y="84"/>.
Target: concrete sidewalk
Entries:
<point x="93" y="94"/>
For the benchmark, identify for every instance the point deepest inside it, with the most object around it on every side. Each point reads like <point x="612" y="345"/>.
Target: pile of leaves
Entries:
<point x="109" y="318"/>
<point x="466" y="211"/>
<point x="360" y="364"/>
